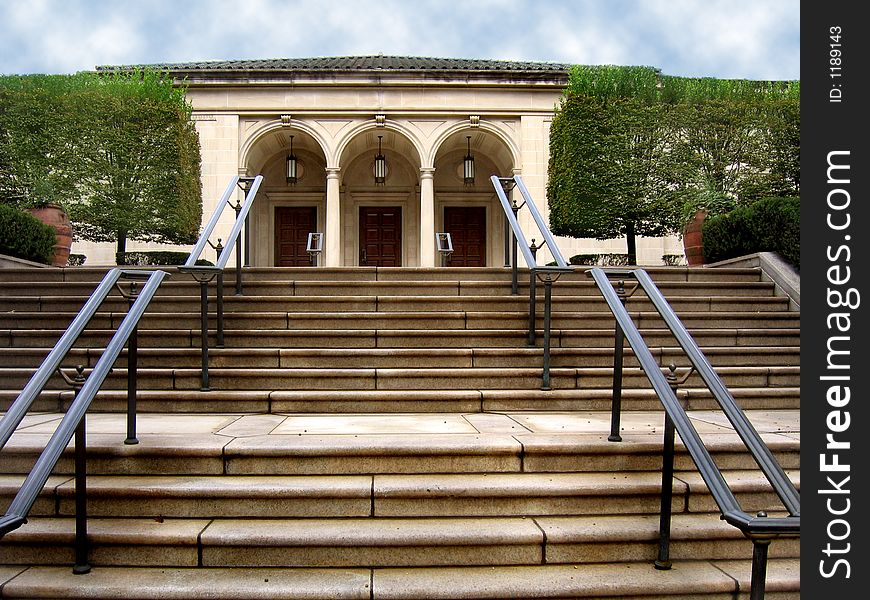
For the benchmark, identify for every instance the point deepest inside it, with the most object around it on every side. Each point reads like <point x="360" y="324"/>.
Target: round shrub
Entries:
<point x="24" y="236"/>
<point x="769" y="225"/>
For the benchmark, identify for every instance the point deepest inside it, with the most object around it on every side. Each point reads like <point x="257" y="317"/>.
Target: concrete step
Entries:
<point x="379" y="542"/>
<point x="691" y="579"/>
<point x="402" y="357"/>
<point x="406" y="496"/>
<point x="419" y="319"/>
<point x="355" y="302"/>
<point x="405" y="338"/>
<point x="331" y="377"/>
<point x="180" y="286"/>
<point x="391" y="444"/>
<point x="402" y="401"/>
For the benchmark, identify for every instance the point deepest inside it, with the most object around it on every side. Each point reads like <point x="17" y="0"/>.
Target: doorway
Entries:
<point x="380" y="236"/>
<point x="292" y="226"/>
<point x="467" y="228"/>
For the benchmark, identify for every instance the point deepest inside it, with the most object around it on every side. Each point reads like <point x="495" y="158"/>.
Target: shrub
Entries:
<point x="769" y="225"/>
<point x="76" y="260"/>
<point x="602" y="260"/>
<point x="24" y="236"/>
<point x="156" y="257"/>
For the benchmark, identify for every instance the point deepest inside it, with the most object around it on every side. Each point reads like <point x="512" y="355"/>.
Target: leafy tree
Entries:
<point x="607" y="144"/>
<point x="124" y="159"/>
<point x="637" y="153"/>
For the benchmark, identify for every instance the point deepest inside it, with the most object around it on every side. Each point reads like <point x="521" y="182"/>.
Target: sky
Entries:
<point x="734" y="39"/>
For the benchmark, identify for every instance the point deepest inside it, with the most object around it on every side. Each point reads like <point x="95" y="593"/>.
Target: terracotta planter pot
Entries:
<point x="55" y="216"/>
<point x="693" y="244"/>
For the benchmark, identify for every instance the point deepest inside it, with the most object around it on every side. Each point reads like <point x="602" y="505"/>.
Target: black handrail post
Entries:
<point x="759" y="566"/>
<point x="548" y="295"/>
<point x="533" y="299"/>
<point x="618" y="350"/>
<point x="238" y="209"/>
<point x="663" y="561"/>
<point x="219" y="294"/>
<point x="514" y="284"/>
<point x="132" y="375"/>
<point x="203" y="292"/>
<point x="81" y="565"/>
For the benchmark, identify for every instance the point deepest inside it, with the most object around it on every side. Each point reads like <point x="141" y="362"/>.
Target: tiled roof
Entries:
<point x="358" y="63"/>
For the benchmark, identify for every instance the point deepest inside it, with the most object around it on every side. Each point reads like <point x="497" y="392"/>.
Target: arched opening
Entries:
<point x="471" y="212"/>
<point x="380" y="221"/>
<point x="286" y="212"/>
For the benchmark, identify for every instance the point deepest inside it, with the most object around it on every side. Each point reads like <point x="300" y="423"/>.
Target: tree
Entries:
<point x="118" y="150"/>
<point x="633" y="152"/>
<point x="607" y="145"/>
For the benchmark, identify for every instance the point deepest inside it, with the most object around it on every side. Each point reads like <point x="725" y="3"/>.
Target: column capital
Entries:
<point x="427" y="172"/>
<point x="333" y="172"/>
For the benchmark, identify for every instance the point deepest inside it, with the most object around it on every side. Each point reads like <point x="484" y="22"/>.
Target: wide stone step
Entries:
<point x="356" y="302"/>
<point x="690" y="579"/>
<point x="373" y="378"/>
<point x="402" y="401"/>
<point x="402" y="357"/>
<point x="391" y="444"/>
<point x="380" y="542"/>
<point x="411" y="496"/>
<point x="404" y="338"/>
<point x="460" y="319"/>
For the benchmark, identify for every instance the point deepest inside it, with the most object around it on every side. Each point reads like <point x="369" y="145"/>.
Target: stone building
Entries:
<point x="425" y="116"/>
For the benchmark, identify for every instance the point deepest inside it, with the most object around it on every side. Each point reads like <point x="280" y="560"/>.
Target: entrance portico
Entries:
<point x="365" y="222"/>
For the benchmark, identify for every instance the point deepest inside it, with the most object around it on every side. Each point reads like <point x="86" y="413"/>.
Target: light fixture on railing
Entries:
<point x="380" y="165"/>
<point x="291" y="164"/>
<point x="468" y="165"/>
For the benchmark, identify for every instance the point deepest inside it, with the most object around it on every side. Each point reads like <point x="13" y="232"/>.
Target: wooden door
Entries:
<point x="467" y="228"/>
<point x="380" y="236"/>
<point x="292" y="226"/>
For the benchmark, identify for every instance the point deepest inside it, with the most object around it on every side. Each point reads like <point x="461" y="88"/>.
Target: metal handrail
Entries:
<point x="761" y="529"/>
<point x="548" y="274"/>
<point x="16" y="514"/>
<point x="205" y="274"/>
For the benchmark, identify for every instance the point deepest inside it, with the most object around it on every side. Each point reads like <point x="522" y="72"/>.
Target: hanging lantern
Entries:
<point x="380" y="165"/>
<point x="291" y="164"/>
<point x="468" y="165"/>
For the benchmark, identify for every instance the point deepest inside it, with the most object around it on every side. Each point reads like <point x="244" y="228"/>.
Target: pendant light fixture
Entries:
<point x="468" y="165"/>
<point x="291" y="164"/>
<point x="380" y="165"/>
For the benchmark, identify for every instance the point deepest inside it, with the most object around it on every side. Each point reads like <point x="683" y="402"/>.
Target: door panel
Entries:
<point x="380" y="235"/>
<point x="292" y="226"/>
<point x="467" y="228"/>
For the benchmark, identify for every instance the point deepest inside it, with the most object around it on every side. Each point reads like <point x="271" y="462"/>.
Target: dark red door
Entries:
<point x="380" y="236"/>
<point x="467" y="228"/>
<point x="292" y="226"/>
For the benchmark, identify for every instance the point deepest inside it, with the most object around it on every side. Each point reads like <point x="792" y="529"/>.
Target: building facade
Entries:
<point x="335" y="116"/>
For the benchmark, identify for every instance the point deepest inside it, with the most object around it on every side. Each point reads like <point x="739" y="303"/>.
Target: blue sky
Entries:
<point x="752" y="39"/>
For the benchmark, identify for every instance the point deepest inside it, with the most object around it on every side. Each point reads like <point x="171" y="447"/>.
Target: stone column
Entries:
<point x="332" y="231"/>
<point x="427" y="217"/>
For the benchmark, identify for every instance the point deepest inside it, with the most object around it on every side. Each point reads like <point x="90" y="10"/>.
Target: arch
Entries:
<point x="270" y="129"/>
<point x="486" y="126"/>
<point x="345" y="143"/>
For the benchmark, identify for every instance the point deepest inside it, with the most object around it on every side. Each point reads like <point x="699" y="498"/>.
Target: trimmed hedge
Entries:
<point x="157" y="257"/>
<point x="769" y="225"/>
<point x="601" y="260"/>
<point x="24" y="236"/>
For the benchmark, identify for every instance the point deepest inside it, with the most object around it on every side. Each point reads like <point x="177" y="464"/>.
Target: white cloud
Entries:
<point x="738" y="38"/>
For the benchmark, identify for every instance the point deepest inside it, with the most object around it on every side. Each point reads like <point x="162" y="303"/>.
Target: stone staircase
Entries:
<point x="381" y="433"/>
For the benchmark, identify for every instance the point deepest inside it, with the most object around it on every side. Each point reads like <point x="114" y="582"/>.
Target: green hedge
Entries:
<point x="24" y="236"/>
<point x="769" y="225"/>
<point x="156" y="257"/>
<point x="601" y="260"/>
